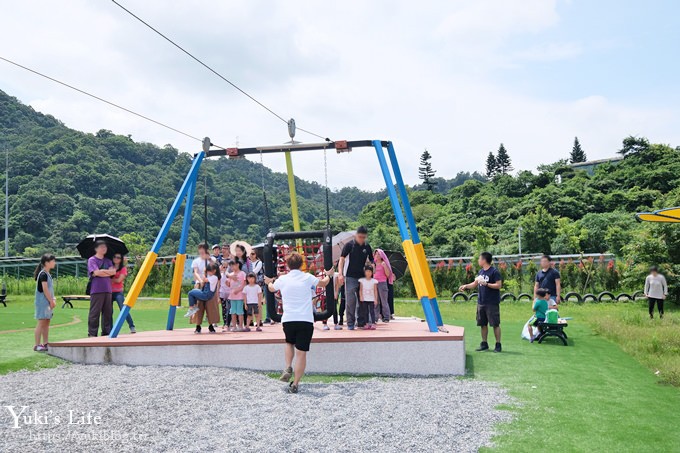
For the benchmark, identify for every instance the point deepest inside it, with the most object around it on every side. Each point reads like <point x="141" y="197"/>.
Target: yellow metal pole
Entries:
<point x="294" y="205"/>
<point x="293" y="194"/>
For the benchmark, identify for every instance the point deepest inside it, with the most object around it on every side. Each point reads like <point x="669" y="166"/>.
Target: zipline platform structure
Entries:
<point x="401" y="347"/>
<point x="404" y="347"/>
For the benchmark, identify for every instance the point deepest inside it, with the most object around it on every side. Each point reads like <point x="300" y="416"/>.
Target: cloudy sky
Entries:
<point x="455" y="77"/>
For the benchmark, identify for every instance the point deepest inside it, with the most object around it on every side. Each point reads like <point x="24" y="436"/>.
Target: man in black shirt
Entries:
<point x="350" y="269"/>
<point x="489" y="282"/>
<point x="549" y="278"/>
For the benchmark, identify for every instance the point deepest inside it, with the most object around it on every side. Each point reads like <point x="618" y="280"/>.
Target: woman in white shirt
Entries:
<point x="298" y="314"/>
<point x="656" y="291"/>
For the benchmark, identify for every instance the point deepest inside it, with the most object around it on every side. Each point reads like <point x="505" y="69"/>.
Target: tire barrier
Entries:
<point x="528" y="296"/>
<point x="590" y="297"/>
<point x="638" y="294"/>
<point x="606" y="296"/>
<point x="571" y="295"/>
<point x="463" y="296"/>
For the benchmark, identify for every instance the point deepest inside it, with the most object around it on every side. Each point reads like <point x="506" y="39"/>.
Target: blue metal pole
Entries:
<point x="184" y="237"/>
<point x="186" y="223"/>
<point x="191" y="177"/>
<point x="394" y="200"/>
<point x="404" y="195"/>
<point x="193" y="171"/>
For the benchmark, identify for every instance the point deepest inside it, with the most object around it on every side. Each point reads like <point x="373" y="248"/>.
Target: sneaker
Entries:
<point x="385" y="320"/>
<point x="372" y="327"/>
<point x="198" y="329"/>
<point x="497" y="348"/>
<point x="259" y="329"/>
<point x="392" y="317"/>
<point x="246" y="329"/>
<point x="325" y="327"/>
<point x="190" y="312"/>
<point x="286" y="375"/>
<point x="483" y="346"/>
<point x="350" y="327"/>
<point x="39" y="348"/>
<point x="532" y="340"/>
<point x="133" y="330"/>
<point x="337" y="327"/>
<point x="45" y="346"/>
<point x="225" y="329"/>
<point x="211" y="329"/>
<point x="292" y="388"/>
<point x="232" y="329"/>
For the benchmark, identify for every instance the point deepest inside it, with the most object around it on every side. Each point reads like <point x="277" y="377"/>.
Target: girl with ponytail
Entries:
<point x="44" y="300"/>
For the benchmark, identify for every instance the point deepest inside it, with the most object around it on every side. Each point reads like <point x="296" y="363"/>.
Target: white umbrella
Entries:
<point x="339" y="241"/>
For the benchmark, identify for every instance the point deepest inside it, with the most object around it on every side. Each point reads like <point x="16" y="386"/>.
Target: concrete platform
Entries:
<point x="401" y="347"/>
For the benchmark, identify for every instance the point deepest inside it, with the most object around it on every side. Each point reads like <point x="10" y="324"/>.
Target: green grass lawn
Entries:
<point x="600" y="393"/>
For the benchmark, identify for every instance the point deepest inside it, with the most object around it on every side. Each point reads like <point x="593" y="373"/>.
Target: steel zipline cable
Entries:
<point x="113" y="104"/>
<point x="197" y="60"/>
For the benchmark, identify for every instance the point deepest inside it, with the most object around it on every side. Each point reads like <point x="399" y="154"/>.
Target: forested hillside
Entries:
<point x="560" y="210"/>
<point x="65" y="184"/>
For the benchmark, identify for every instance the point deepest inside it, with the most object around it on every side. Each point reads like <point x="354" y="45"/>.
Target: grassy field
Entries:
<point x="602" y="392"/>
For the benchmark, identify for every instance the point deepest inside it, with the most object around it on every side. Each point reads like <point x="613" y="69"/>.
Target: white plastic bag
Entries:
<point x="525" y="330"/>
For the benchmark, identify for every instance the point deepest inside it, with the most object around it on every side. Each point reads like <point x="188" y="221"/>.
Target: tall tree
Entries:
<point x="503" y="161"/>
<point x="425" y="171"/>
<point x="577" y="153"/>
<point x="633" y="145"/>
<point x="491" y="165"/>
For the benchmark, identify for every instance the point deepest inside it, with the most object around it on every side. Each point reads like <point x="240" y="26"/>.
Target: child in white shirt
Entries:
<point x="368" y="299"/>
<point x="253" y="296"/>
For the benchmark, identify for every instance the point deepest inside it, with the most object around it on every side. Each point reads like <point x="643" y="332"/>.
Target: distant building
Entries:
<point x="589" y="167"/>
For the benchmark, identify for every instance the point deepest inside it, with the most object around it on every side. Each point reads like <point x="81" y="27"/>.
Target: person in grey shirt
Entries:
<point x="656" y="290"/>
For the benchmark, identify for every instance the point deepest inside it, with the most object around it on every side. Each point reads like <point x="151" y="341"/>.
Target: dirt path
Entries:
<point x="76" y="320"/>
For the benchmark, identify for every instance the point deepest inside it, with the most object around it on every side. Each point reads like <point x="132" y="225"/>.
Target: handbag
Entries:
<point x="88" y="288"/>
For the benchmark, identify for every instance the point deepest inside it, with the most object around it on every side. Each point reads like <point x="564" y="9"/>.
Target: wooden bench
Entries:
<point x="69" y="299"/>
<point x="552" y="330"/>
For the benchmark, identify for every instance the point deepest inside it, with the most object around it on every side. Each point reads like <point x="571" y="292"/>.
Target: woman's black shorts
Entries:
<point x="299" y="333"/>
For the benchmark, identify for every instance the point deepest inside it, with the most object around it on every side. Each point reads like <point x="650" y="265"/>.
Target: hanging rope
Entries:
<point x="264" y="195"/>
<point x="325" y="172"/>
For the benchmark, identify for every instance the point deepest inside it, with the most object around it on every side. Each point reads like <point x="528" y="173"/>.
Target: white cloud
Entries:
<point x="421" y="75"/>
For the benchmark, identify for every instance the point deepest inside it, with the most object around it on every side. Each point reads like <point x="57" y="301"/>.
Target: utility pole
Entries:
<point x="519" y="238"/>
<point x="6" y="202"/>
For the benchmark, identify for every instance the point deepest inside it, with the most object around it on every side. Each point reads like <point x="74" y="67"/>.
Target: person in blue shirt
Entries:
<point x="489" y="282"/>
<point x="540" y="309"/>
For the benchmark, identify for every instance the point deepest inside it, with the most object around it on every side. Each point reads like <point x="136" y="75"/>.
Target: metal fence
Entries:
<point x="67" y="266"/>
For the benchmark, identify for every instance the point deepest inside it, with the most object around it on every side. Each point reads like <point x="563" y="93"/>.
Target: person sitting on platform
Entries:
<point x="540" y="307"/>
<point x="253" y="298"/>
<point x="206" y="293"/>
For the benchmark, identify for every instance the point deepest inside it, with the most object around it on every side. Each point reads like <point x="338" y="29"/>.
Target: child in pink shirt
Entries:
<point x="383" y="273"/>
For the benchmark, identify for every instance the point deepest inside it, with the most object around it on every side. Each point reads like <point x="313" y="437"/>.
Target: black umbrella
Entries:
<point x="398" y="263"/>
<point x="114" y="245"/>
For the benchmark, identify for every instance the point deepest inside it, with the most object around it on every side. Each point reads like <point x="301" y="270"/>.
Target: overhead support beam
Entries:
<point x="340" y="146"/>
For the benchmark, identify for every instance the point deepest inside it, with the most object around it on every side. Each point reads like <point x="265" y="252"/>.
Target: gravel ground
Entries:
<point x="191" y="409"/>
